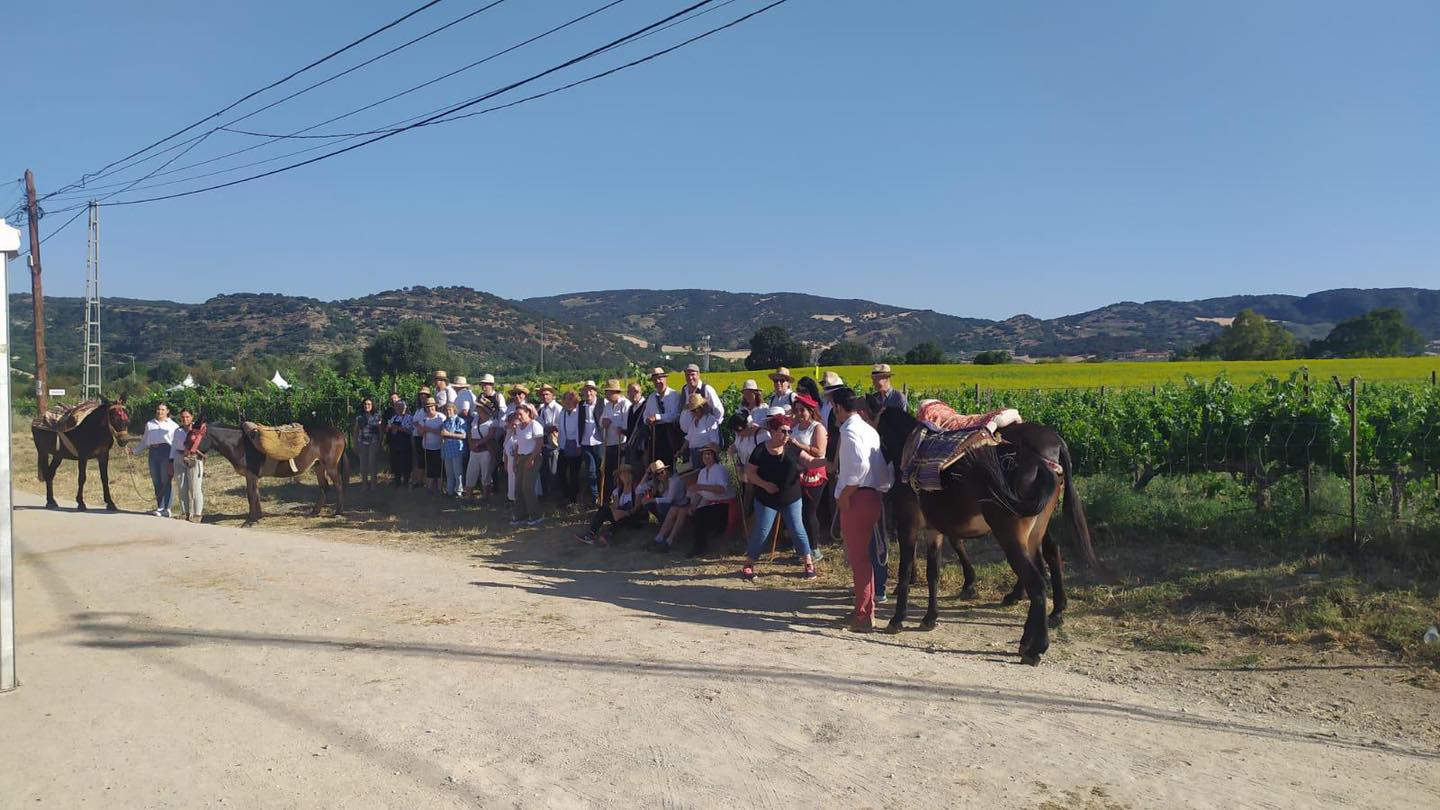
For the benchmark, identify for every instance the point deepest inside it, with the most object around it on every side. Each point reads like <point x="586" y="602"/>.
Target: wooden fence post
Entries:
<point x="1306" y="374"/>
<point x="1354" y="461"/>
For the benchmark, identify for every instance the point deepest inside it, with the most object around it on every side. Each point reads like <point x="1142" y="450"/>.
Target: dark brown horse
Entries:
<point x="100" y="430"/>
<point x="1008" y="491"/>
<point x="325" y="452"/>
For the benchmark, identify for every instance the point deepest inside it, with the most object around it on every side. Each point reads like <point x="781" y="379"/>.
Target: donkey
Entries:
<point x="325" y="452"/>
<point x="1007" y="490"/>
<point x="101" y="430"/>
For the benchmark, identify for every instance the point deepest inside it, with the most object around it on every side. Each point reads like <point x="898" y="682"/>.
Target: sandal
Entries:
<point x="748" y="572"/>
<point x="809" y="571"/>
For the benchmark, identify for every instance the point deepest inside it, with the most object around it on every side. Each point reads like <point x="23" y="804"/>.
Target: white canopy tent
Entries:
<point x="279" y="382"/>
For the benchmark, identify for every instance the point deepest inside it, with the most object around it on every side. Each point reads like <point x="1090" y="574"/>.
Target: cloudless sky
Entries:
<point x="977" y="158"/>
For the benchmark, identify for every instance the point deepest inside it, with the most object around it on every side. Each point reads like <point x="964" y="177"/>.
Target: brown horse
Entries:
<point x="325" y="452"/>
<point x="100" y="430"/>
<point x="1008" y="491"/>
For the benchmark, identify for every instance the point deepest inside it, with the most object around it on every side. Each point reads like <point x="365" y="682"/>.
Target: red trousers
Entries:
<point x="857" y="527"/>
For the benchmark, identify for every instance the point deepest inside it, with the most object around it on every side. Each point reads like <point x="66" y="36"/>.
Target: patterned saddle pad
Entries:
<point x="64" y="418"/>
<point x="928" y="454"/>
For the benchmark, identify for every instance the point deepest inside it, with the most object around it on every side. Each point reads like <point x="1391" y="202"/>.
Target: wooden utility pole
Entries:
<point x="42" y="378"/>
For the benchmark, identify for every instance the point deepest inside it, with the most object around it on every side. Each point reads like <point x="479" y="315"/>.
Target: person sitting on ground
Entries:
<point x="889" y="397"/>
<point x="710" y="504"/>
<point x="700" y="426"/>
<point x="782" y="398"/>
<point x="663" y="495"/>
<point x="774" y="469"/>
<point x="624" y="510"/>
<point x="452" y="450"/>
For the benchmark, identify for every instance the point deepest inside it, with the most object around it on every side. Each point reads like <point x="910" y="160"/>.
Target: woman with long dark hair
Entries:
<point x="158" y="439"/>
<point x="365" y="434"/>
<point x="809" y="437"/>
<point x="774" y="468"/>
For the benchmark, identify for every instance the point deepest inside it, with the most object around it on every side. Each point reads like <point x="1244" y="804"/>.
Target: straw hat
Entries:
<point x="830" y="381"/>
<point x="425" y="389"/>
<point x="781" y="373"/>
<point x="519" y="388"/>
<point x="441" y="375"/>
<point x="588" y="384"/>
<point x="460" y="382"/>
<point x="880" y="370"/>
<point x="657" y="372"/>
<point x="546" y="387"/>
<point x="711" y="448"/>
<point x="658" y="466"/>
<point x="487" y="379"/>
<point x="696" y="402"/>
<point x="613" y="385"/>
<point x="750" y="385"/>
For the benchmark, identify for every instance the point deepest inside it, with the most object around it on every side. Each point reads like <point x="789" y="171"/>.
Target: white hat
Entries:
<point x="749" y="386"/>
<point x="692" y="367"/>
<point x="487" y="378"/>
<point x="460" y="382"/>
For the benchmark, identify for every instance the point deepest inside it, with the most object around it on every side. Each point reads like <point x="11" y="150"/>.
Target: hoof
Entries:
<point x="51" y="505"/>
<point x="894" y="628"/>
<point x="111" y="507"/>
<point x="247" y="524"/>
<point x="79" y="506"/>
<point x="1009" y="600"/>
<point x="1055" y="620"/>
<point x="928" y="624"/>
<point x="968" y="592"/>
<point x="1030" y="660"/>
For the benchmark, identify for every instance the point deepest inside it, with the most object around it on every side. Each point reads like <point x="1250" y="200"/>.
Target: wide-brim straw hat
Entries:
<point x="880" y="370"/>
<point x="425" y="389"/>
<point x="613" y="385"/>
<point x="460" y="382"/>
<point x="519" y="388"/>
<point x="657" y="372"/>
<point x="750" y="385"/>
<point x="546" y="387"/>
<point x="781" y="373"/>
<point x="440" y="375"/>
<point x="711" y="448"/>
<point x="487" y="378"/>
<point x="830" y="381"/>
<point x="695" y="402"/>
<point x="658" y="466"/>
<point x="588" y="384"/>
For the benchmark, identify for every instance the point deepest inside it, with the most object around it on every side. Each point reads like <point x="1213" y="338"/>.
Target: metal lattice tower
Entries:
<point x="92" y="307"/>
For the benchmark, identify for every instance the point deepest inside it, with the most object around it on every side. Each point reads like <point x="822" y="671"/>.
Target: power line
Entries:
<point x="252" y="94"/>
<point x="454" y="109"/>
<point x="299" y="133"/>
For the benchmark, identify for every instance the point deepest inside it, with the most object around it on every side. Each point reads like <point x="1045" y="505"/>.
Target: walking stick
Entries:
<point x="604" y="457"/>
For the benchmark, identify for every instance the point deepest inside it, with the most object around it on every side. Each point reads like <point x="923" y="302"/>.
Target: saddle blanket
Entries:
<point x="64" y="418"/>
<point x="927" y="455"/>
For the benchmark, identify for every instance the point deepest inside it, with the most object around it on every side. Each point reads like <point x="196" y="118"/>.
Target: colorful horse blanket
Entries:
<point x="927" y="455"/>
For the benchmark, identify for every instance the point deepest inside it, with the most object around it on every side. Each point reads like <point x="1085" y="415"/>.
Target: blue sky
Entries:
<point x="982" y="159"/>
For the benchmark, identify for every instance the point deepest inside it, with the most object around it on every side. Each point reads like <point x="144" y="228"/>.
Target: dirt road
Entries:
<point x="171" y="665"/>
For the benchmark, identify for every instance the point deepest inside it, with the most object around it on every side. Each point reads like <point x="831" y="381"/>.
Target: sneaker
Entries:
<point x="517" y="522"/>
<point x="816" y="555"/>
<point x="156" y="513"/>
<point x="165" y="513"/>
<point x="809" y="571"/>
<point x="586" y="537"/>
<point x="535" y="521"/>
<point x="880" y="597"/>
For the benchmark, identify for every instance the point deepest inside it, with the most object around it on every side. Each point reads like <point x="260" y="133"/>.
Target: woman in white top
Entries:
<point x="158" y="439"/>
<point x="664" y="495"/>
<point x="529" y="439"/>
<point x="700" y="426"/>
<point x="810" y="438"/>
<point x="189" y="467"/>
<point x="486" y="433"/>
<point x="711" y="506"/>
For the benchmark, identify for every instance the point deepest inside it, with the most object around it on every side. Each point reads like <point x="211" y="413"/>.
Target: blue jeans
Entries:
<point x="765" y="518"/>
<point x="161" y="472"/>
<point x="590" y="456"/>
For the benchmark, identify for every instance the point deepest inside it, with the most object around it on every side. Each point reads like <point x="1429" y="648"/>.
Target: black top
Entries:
<point x="782" y="470"/>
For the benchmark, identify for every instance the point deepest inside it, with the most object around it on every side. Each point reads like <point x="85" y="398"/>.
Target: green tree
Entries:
<point x="1252" y="336"/>
<point x="413" y="346"/>
<point x="772" y="347"/>
<point x="847" y="353"/>
<point x="347" y="361"/>
<point x="993" y="357"/>
<point x="925" y="354"/>
<point x="166" y="372"/>
<point x="1378" y="333"/>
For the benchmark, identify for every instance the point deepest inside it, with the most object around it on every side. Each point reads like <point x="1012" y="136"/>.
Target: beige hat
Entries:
<point x="546" y="387"/>
<point x="519" y="388"/>
<point x="487" y="378"/>
<point x="696" y="401"/>
<point x="588" y="384"/>
<point x="657" y="372"/>
<point x="781" y="373"/>
<point x="711" y="448"/>
<point x="830" y="381"/>
<point x="880" y="370"/>
<point x="692" y="367"/>
<point x="460" y="382"/>
<point x="441" y="375"/>
<point x="750" y="385"/>
<point x="613" y="385"/>
<point x="658" y="466"/>
<point x="425" y="389"/>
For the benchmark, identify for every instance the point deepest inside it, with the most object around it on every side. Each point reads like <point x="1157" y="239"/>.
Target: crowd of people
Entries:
<point x="644" y="460"/>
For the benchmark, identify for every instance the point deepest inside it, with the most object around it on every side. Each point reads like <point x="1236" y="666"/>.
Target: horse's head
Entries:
<point x="118" y="420"/>
<point x="893" y="424"/>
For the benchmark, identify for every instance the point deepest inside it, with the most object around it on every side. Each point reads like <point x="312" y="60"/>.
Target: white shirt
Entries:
<point x="671" y="401"/>
<point x="431" y="440"/>
<point x="569" y="427"/>
<point x="674" y="490"/>
<point x="528" y="438"/>
<point x="745" y="445"/>
<point x="779" y="400"/>
<point x="714" y="476"/>
<point x="177" y="445"/>
<point x="618" y="412"/>
<point x="464" y="400"/>
<point x="483" y="431"/>
<point x="860" y="461"/>
<point x="158" y="433"/>
<point x="549" y="415"/>
<point x="442" y="396"/>
<point x="589" y="426"/>
<point x="710" y="393"/>
<point x="700" y="431"/>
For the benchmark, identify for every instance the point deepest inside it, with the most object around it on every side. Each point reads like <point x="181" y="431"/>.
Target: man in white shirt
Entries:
<point x="614" y="418"/>
<point x="862" y="476"/>
<point x="700" y="427"/>
<point x="443" y="393"/>
<point x="662" y="413"/>
<point x="693" y="385"/>
<point x="548" y="415"/>
<point x="784" y="396"/>
<point x="592" y="444"/>
<point x="463" y="397"/>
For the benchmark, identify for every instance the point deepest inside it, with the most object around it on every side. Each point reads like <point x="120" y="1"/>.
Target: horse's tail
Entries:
<point x="986" y="461"/>
<point x="1075" y="510"/>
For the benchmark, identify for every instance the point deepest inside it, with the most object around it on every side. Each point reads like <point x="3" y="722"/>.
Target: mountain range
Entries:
<point x="609" y="329"/>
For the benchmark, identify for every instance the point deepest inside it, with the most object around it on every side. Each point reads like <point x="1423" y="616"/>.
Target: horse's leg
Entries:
<point x="342" y="481"/>
<point x="103" y="462"/>
<point x="48" y="466"/>
<point x="967" y="590"/>
<point x="320" y="479"/>
<point x="1014" y="541"/>
<point x="932" y="578"/>
<point x="1051" y="551"/>
<point x="252" y="494"/>
<point x="80" y="462"/>
<point x="909" y="534"/>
